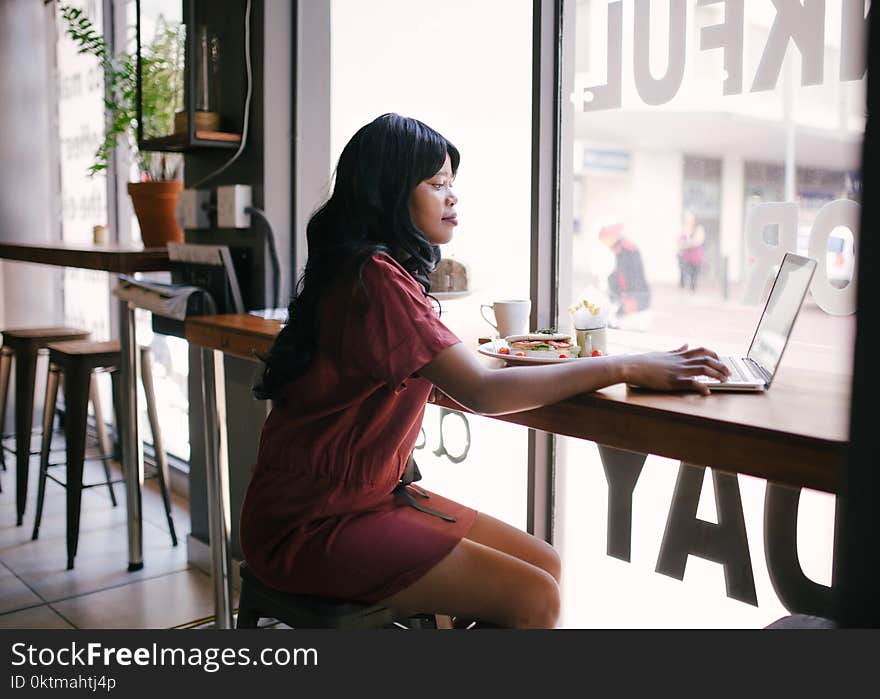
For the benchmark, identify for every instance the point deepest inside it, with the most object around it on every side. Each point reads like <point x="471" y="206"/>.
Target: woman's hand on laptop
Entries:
<point x="676" y="370"/>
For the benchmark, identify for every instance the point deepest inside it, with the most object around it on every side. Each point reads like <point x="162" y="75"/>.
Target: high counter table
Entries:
<point x="116" y="259"/>
<point x="795" y="434"/>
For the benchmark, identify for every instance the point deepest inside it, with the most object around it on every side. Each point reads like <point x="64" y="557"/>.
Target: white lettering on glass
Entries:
<point x="798" y="21"/>
<point x="833" y="300"/>
<point x="805" y="24"/>
<point x="727" y="36"/>
<point x="609" y="95"/>
<point x="853" y="30"/>
<point x="651" y="90"/>
<point x="764" y="257"/>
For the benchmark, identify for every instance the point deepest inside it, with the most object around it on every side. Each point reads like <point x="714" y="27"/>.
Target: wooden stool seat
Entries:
<point x="86" y="353"/>
<point x="23" y="346"/>
<point x="257" y="601"/>
<point x="19" y="337"/>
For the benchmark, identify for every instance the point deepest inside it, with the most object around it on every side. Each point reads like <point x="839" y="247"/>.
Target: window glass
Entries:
<point x="433" y="63"/>
<point x="162" y="36"/>
<point x="162" y="74"/>
<point x="690" y="122"/>
<point x="80" y="85"/>
<point x="80" y="114"/>
<point x="84" y="205"/>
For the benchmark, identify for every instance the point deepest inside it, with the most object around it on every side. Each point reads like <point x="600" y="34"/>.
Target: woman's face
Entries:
<point x="432" y="206"/>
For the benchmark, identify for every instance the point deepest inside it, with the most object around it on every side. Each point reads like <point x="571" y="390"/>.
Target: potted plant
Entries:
<point x="155" y="196"/>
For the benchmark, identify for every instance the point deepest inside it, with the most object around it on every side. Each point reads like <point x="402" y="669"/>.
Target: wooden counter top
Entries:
<point x="795" y="434"/>
<point x="118" y="259"/>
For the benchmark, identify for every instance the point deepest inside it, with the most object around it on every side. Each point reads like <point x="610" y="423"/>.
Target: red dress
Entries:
<point x="319" y="516"/>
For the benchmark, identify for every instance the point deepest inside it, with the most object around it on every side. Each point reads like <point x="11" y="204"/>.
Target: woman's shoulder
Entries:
<point x="383" y="262"/>
<point x="381" y="269"/>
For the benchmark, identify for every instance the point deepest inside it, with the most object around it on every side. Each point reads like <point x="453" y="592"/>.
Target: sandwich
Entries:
<point x="545" y="345"/>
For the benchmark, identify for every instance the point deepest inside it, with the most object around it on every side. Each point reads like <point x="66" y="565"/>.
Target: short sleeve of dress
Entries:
<point x="398" y="331"/>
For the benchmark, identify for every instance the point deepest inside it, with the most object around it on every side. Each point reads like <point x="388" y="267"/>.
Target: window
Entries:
<point x="433" y="63"/>
<point x="160" y="18"/>
<point x="676" y="144"/>
<point x="80" y="106"/>
<point x="80" y="113"/>
<point x="84" y="205"/>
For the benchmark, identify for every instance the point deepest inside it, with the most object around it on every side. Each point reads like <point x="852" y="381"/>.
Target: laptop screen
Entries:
<point x="781" y="311"/>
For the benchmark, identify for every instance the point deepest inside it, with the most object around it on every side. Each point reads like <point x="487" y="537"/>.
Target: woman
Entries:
<point x="325" y="512"/>
<point x="690" y="251"/>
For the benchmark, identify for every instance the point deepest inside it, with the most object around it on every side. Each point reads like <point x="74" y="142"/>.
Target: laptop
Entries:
<point x="756" y="370"/>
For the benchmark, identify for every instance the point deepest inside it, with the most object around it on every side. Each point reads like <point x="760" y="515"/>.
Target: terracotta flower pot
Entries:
<point x="155" y="204"/>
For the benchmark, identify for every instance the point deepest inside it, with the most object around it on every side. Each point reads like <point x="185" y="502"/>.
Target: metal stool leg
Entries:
<point x="247" y="617"/>
<point x="48" y="418"/>
<point x="115" y="389"/>
<point x="25" y="380"/>
<point x="76" y="401"/>
<point x="5" y="367"/>
<point x="161" y="459"/>
<point x="101" y="429"/>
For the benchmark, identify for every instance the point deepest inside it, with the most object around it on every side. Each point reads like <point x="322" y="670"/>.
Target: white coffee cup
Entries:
<point x="511" y="316"/>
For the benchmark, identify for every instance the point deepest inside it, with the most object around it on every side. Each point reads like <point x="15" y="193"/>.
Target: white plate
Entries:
<point x="489" y="349"/>
<point x="450" y="295"/>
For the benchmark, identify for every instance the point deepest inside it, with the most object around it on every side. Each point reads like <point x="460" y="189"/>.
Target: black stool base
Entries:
<point x="257" y="601"/>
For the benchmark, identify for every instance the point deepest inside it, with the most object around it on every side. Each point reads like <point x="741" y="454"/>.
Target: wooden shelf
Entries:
<point x="179" y="142"/>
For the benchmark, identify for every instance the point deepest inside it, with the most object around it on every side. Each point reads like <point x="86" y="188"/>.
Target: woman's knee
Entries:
<point x="546" y="557"/>
<point x="551" y="562"/>
<point x="538" y="603"/>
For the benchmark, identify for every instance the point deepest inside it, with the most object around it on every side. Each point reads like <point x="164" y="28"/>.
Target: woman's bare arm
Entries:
<point x="459" y="374"/>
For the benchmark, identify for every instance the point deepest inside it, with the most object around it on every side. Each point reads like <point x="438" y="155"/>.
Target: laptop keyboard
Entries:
<point x="739" y="371"/>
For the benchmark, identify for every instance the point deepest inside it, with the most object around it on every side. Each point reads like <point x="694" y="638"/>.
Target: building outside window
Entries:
<point x="692" y="130"/>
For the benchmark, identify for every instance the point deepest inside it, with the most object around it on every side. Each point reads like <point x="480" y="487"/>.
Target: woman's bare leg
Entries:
<point x="509" y="586"/>
<point x="503" y="537"/>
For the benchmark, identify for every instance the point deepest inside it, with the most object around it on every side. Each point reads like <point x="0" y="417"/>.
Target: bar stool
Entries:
<point x="76" y="362"/>
<point x="23" y="345"/>
<point x="256" y="601"/>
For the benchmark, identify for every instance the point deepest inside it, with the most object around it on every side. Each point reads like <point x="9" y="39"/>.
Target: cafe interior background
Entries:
<point x="712" y="126"/>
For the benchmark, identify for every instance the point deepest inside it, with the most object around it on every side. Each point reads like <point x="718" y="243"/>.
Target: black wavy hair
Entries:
<point x="368" y="212"/>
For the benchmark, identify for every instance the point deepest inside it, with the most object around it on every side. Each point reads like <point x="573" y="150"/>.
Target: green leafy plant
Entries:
<point x="162" y="62"/>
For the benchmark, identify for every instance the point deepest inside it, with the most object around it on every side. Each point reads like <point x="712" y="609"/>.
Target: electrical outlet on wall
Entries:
<point x="192" y="208"/>
<point x="232" y="200"/>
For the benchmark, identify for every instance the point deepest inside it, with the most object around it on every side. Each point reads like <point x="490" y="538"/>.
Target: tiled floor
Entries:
<point x="36" y="590"/>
